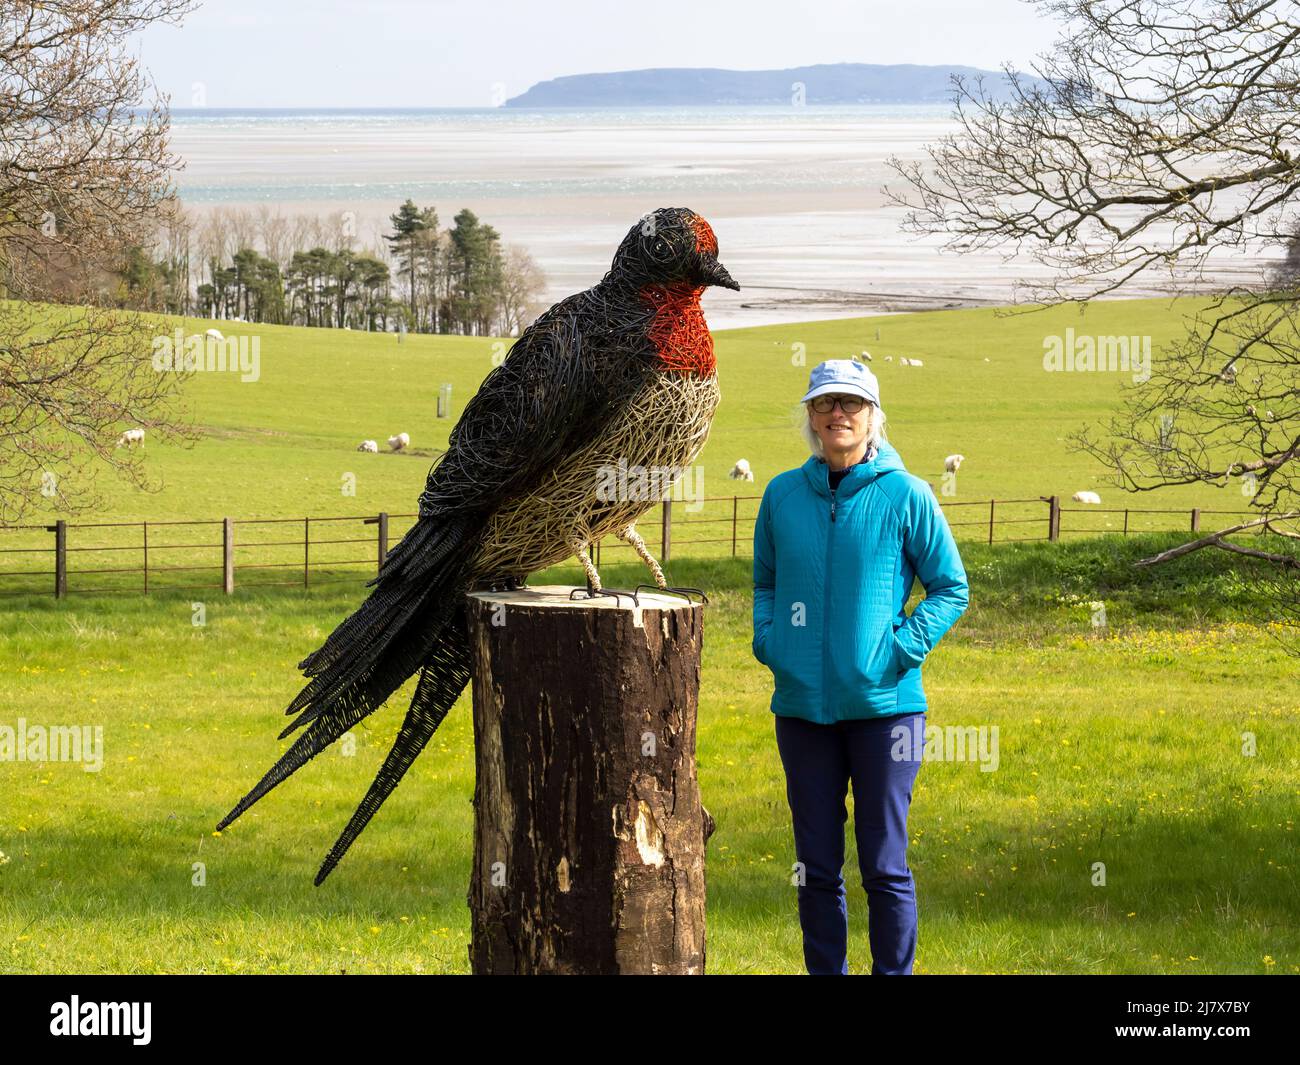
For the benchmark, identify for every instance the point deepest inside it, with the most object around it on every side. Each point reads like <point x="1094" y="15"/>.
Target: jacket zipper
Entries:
<point x="826" y="607"/>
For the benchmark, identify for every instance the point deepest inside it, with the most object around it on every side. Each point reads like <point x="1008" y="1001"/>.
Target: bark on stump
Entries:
<point x="589" y="833"/>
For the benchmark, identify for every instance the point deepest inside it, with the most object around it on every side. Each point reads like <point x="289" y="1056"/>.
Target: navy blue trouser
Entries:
<point x="820" y="761"/>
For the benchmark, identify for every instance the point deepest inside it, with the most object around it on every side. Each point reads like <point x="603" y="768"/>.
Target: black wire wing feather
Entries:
<point x="561" y="384"/>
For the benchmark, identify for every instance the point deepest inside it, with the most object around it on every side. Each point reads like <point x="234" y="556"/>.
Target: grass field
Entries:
<point x="1121" y="745"/>
<point x="284" y="445"/>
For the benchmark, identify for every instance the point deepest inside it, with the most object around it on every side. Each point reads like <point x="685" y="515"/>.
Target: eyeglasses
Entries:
<point x="848" y="404"/>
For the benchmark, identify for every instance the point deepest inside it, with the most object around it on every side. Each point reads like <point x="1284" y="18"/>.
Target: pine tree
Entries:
<point x="410" y="224"/>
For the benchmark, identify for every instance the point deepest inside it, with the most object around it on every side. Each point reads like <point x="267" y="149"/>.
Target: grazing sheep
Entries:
<point x="741" y="471"/>
<point x="1087" y="497"/>
<point x="400" y="442"/>
<point x="986" y="358"/>
<point x="130" y="438"/>
<point x="903" y="360"/>
<point x="214" y="334"/>
<point x="917" y="362"/>
<point x="953" y="463"/>
<point x="889" y="358"/>
<point x="865" y="355"/>
<point x="368" y="445"/>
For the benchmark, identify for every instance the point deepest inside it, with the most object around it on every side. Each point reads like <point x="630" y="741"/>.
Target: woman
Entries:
<point x="837" y="545"/>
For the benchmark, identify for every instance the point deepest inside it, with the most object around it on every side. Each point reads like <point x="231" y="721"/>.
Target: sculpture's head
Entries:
<point x="671" y="246"/>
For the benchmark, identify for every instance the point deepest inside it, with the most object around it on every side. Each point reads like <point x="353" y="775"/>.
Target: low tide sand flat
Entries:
<point x="795" y="193"/>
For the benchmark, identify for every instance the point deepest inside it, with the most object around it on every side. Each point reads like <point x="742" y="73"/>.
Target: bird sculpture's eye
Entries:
<point x="660" y="250"/>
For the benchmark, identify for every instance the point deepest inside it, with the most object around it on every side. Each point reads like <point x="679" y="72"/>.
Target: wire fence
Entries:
<point x="68" y="558"/>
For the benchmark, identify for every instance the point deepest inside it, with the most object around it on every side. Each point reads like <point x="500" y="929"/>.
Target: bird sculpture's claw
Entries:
<point x="683" y="592"/>
<point x="589" y="593"/>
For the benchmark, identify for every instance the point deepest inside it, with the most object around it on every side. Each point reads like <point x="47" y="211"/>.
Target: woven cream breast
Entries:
<point x="662" y="428"/>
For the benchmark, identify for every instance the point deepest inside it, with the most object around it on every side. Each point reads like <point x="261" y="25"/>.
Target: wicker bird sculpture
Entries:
<point x="621" y="373"/>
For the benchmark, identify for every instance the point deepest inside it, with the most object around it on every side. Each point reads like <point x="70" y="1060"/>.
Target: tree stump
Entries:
<point x="589" y="833"/>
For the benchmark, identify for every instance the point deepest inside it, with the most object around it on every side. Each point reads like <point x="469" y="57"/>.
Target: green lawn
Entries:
<point x="284" y="445"/>
<point x="1119" y="745"/>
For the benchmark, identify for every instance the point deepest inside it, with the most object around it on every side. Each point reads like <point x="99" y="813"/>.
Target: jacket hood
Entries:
<point x="886" y="459"/>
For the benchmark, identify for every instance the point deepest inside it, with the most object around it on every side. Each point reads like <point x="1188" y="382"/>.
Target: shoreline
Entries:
<point x="797" y="199"/>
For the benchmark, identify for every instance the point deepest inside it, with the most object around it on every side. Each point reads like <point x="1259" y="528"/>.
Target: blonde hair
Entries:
<point x="875" y="430"/>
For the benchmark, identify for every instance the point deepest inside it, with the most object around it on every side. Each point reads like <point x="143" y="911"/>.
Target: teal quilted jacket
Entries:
<point x="832" y="574"/>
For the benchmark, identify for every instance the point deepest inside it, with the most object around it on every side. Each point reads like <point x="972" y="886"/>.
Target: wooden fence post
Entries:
<point x="1053" y="517"/>
<point x="145" y="543"/>
<point x="228" y="556"/>
<point x="735" y="513"/>
<point x="589" y="834"/>
<point x="60" y="559"/>
<point x="991" y="502"/>
<point x="667" y="531"/>
<point x="380" y="521"/>
<point x="1196" y="519"/>
<point x="306" y="552"/>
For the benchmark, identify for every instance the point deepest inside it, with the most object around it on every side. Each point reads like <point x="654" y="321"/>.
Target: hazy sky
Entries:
<point x="463" y="53"/>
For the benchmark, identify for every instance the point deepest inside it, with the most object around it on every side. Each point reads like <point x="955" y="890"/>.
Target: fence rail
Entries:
<point x="263" y="546"/>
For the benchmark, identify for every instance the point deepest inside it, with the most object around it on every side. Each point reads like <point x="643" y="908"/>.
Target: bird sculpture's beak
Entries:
<point x="714" y="273"/>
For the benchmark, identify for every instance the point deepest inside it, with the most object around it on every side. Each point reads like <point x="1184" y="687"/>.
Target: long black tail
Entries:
<point x="441" y="681"/>
<point x="413" y="620"/>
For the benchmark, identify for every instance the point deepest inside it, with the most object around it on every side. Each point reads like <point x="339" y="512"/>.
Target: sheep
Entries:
<point x="953" y="463"/>
<point x="1087" y="497"/>
<point x="368" y="446"/>
<point x="130" y="438"/>
<point x="865" y="355"/>
<point x="889" y="358"/>
<point x="986" y="358"/>
<point x="917" y="362"/>
<point x="214" y="334"/>
<point x="903" y="360"/>
<point x="741" y="471"/>
<point x="400" y="442"/>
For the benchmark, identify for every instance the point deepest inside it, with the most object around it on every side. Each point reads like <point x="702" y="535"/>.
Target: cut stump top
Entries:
<point x="556" y="597"/>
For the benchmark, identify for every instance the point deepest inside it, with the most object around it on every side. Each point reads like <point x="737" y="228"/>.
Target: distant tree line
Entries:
<point x="265" y="267"/>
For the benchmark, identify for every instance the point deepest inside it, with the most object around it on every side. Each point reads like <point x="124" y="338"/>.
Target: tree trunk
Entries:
<point x="588" y="830"/>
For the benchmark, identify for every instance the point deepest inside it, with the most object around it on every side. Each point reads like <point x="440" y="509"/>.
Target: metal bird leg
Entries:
<point x="594" y="589"/>
<point x="661" y="582"/>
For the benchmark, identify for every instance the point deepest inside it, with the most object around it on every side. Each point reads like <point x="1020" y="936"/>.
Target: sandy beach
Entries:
<point x="794" y="194"/>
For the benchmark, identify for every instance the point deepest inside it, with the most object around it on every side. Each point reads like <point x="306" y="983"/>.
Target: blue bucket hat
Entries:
<point x="843" y="376"/>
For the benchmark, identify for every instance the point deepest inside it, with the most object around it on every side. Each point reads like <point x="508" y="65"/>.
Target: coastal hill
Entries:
<point x="827" y="83"/>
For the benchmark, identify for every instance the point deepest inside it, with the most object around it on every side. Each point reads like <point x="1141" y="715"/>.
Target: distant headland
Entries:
<point x="827" y="83"/>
